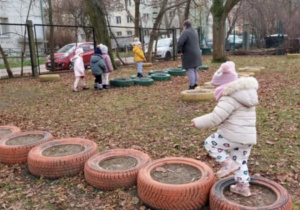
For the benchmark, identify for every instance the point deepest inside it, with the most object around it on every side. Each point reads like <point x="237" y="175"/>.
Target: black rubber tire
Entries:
<point x="168" y="56"/>
<point x="143" y="81"/>
<point x="177" y="72"/>
<point x="135" y="76"/>
<point x="113" y="179"/>
<point x="161" y="77"/>
<point x="217" y="200"/>
<point x="121" y="82"/>
<point x="158" y="72"/>
<point x="71" y="66"/>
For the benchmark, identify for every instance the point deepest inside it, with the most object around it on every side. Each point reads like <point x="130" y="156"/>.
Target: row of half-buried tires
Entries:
<point x="154" y="75"/>
<point x="143" y="81"/>
<point x="52" y="159"/>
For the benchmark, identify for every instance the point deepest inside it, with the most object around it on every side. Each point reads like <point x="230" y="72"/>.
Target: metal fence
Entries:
<point x="15" y="41"/>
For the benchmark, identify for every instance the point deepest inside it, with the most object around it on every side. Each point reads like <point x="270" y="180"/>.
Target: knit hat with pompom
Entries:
<point x="225" y="74"/>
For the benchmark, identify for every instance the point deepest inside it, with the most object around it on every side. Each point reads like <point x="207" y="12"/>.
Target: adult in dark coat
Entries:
<point x="189" y="49"/>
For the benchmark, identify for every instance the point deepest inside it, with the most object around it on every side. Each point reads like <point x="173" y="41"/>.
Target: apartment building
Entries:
<point x="15" y="12"/>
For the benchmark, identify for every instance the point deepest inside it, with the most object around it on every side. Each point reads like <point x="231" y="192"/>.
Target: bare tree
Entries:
<point x="155" y="32"/>
<point x="9" y="72"/>
<point x="96" y="12"/>
<point x="220" y="12"/>
<point x="263" y="16"/>
<point x="51" y="35"/>
<point x="24" y="38"/>
<point x="187" y="10"/>
<point x="137" y="18"/>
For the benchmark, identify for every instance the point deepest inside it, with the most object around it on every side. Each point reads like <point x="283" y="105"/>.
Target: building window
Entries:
<point x="129" y="33"/>
<point x="171" y="13"/>
<point x="146" y="32"/>
<point x="4" y="29"/>
<point x="128" y="3"/>
<point x="118" y="19"/>
<point x="119" y="33"/>
<point x="129" y="20"/>
<point x="146" y="16"/>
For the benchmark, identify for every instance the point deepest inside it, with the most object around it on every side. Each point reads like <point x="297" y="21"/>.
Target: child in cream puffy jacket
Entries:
<point x="235" y="116"/>
<point x="79" y="70"/>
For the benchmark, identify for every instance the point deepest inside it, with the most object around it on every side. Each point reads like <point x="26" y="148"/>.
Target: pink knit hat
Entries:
<point x="225" y="74"/>
<point x="78" y="51"/>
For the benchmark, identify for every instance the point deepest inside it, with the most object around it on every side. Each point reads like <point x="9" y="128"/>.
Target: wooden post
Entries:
<point x="246" y="36"/>
<point x="32" y="49"/>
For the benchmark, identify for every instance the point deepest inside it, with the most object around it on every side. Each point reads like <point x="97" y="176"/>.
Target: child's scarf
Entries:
<point x="218" y="92"/>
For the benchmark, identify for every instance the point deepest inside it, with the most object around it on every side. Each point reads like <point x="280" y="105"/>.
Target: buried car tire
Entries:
<point x="177" y="72"/>
<point x="121" y="82"/>
<point x="143" y="81"/>
<point x="218" y="200"/>
<point x="190" y="195"/>
<point x="5" y="130"/>
<point x="105" y="170"/>
<point x="161" y="76"/>
<point x="63" y="157"/>
<point x="197" y="95"/>
<point x="14" y="148"/>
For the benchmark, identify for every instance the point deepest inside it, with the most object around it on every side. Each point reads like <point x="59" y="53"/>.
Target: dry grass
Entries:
<point x="152" y="119"/>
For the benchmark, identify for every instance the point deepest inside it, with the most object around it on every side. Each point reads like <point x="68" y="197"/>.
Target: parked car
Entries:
<point x="164" y="48"/>
<point x="209" y="43"/>
<point x="62" y="58"/>
<point x="273" y="39"/>
<point x="235" y="40"/>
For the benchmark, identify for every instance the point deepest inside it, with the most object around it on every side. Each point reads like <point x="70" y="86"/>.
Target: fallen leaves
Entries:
<point x="151" y="119"/>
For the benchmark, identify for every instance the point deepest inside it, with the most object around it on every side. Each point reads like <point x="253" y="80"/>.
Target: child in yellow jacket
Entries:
<point x="139" y="57"/>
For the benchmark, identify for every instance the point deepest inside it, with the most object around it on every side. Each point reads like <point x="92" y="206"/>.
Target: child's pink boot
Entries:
<point x="228" y="166"/>
<point x="241" y="189"/>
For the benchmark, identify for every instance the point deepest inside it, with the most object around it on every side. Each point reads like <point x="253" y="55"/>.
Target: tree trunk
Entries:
<point x="220" y="13"/>
<point x="187" y="10"/>
<point x="9" y="72"/>
<point x="155" y="30"/>
<point x="96" y="11"/>
<point x="51" y="36"/>
<point x="137" y="18"/>
<point x="219" y="40"/>
<point x="24" y="39"/>
<point x="155" y="27"/>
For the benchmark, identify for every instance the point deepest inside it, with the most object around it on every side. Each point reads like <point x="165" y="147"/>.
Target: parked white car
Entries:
<point x="164" y="48"/>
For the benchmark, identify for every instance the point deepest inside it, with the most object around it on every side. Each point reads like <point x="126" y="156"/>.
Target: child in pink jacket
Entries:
<point x="235" y="116"/>
<point x="109" y="66"/>
<point x="79" y="70"/>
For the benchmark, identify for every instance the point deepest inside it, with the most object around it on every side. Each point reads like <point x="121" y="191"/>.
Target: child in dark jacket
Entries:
<point x="97" y="66"/>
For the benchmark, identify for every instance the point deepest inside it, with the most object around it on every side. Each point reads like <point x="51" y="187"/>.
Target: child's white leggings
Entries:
<point x="105" y="77"/>
<point x="222" y="149"/>
<point x="77" y="81"/>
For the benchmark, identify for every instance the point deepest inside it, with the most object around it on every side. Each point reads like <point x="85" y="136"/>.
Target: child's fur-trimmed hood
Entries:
<point x="243" y="90"/>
